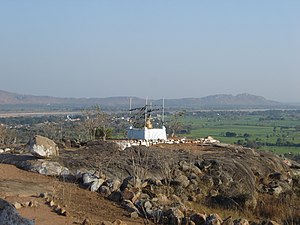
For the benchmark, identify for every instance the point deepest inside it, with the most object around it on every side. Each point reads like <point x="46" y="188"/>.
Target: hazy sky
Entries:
<point x="157" y="48"/>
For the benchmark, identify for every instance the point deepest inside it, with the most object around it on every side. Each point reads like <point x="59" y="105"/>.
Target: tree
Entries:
<point x="230" y="134"/>
<point x="96" y="119"/>
<point x="7" y="136"/>
<point x="175" y="124"/>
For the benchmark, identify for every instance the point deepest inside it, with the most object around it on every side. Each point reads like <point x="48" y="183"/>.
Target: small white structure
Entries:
<point x="147" y="134"/>
<point x="144" y="129"/>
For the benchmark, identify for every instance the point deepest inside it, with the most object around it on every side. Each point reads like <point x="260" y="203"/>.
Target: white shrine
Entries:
<point x="146" y="131"/>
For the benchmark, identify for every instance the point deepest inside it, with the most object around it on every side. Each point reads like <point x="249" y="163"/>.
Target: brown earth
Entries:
<point x="21" y="186"/>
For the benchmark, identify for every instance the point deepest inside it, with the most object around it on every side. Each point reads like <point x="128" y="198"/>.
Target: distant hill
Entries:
<point x="225" y="101"/>
<point x="221" y="101"/>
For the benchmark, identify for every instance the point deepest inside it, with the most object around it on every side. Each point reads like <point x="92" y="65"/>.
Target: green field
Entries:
<point x="277" y="131"/>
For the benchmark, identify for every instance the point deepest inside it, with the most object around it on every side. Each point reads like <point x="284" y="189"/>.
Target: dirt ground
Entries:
<point x="21" y="186"/>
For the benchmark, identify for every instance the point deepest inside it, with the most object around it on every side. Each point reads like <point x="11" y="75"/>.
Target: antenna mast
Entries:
<point x="163" y="111"/>
<point x="146" y="109"/>
<point x="130" y="102"/>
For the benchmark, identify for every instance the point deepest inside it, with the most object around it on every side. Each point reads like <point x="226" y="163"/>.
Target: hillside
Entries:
<point x="163" y="183"/>
<point x="220" y="101"/>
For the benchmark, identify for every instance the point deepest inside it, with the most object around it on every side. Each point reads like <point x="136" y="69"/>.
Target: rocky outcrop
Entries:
<point x="42" y="147"/>
<point x="10" y="216"/>
<point x="30" y="163"/>
<point x="162" y="185"/>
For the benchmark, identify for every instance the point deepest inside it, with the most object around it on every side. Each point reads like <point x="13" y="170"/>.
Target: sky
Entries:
<point x="155" y="49"/>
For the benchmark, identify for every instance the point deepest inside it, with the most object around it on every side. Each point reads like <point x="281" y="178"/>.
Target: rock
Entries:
<point x="17" y="205"/>
<point x="134" y="215"/>
<point x="1" y="151"/>
<point x="198" y="218"/>
<point x="112" y="184"/>
<point x="51" y="203"/>
<point x="147" y="205"/>
<point x="276" y="190"/>
<point x="115" y="196"/>
<point x="106" y="223"/>
<point x="86" y="222"/>
<point x="213" y="193"/>
<point x="67" y="143"/>
<point x="241" y="222"/>
<point x="119" y="222"/>
<point x="228" y="221"/>
<point x="130" y="182"/>
<point x="162" y="199"/>
<point x="48" y="168"/>
<point x="208" y="181"/>
<point x="42" y="147"/>
<point x="175" y="198"/>
<point x="214" y="219"/>
<point x="275" y="176"/>
<point x="89" y="178"/>
<point x="123" y="145"/>
<point x="182" y="180"/>
<point x="127" y="194"/>
<point x="10" y="216"/>
<point x="63" y="212"/>
<point x="105" y="190"/>
<point x="32" y="203"/>
<point x="129" y="206"/>
<point x="175" y="216"/>
<point x="188" y="167"/>
<point x="96" y="184"/>
<point x="43" y="195"/>
<point x="156" y="214"/>
<point x="270" y="222"/>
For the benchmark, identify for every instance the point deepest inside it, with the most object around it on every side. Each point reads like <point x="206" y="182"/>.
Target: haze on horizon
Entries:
<point x="170" y="49"/>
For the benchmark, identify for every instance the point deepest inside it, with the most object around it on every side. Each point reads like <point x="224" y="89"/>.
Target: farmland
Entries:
<point x="274" y="130"/>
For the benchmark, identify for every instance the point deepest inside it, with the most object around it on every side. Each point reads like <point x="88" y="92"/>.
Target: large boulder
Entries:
<point x="46" y="167"/>
<point x="42" y="147"/>
<point x="10" y="216"/>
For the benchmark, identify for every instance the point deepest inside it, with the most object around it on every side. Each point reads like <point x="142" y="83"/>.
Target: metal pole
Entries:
<point x="145" y="112"/>
<point x="130" y="99"/>
<point x="163" y="112"/>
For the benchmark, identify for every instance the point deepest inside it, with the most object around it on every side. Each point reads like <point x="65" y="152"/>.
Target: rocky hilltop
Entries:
<point x="182" y="183"/>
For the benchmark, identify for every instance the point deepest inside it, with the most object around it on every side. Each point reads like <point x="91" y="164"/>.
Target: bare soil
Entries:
<point x="21" y="186"/>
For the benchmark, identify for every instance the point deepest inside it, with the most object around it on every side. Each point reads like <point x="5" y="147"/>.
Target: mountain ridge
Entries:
<point x="243" y="100"/>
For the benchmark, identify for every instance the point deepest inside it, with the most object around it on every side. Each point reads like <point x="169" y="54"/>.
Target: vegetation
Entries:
<point x="276" y="130"/>
<point x="273" y="130"/>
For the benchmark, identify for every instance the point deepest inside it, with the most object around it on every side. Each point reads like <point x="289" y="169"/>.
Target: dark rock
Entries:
<point x="130" y="182"/>
<point x="198" y="218"/>
<point x="228" y="221"/>
<point x="275" y="176"/>
<point x="174" y="216"/>
<point x="10" y="216"/>
<point x="115" y="196"/>
<point x="213" y="219"/>
<point x="104" y="190"/>
<point x="241" y="222"/>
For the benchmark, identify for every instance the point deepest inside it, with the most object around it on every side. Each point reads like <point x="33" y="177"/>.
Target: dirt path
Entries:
<point x="21" y="186"/>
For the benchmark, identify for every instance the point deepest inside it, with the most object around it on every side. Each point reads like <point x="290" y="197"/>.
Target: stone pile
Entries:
<point x="141" y="198"/>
